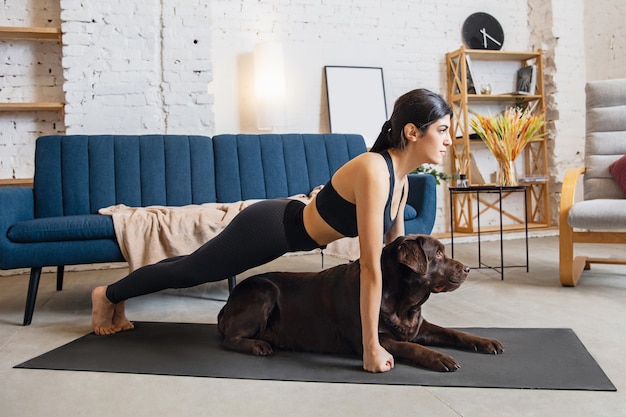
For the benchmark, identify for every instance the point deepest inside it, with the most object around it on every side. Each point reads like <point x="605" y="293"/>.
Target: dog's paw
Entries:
<point x="490" y="346"/>
<point x="443" y="363"/>
<point x="261" y="348"/>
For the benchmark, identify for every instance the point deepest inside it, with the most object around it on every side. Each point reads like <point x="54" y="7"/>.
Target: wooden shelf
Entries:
<point x="13" y="107"/>
<point x="498" y="97"/>
<point x="29" y="33"/>
<point x="482" y="55"/>
<point x="16" y="182"/>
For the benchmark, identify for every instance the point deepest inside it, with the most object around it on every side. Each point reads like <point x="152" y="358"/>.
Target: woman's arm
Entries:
<point x="371" y="188"/>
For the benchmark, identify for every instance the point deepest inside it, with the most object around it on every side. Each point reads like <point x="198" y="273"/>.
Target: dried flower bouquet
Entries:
<point x="506" y="135"/>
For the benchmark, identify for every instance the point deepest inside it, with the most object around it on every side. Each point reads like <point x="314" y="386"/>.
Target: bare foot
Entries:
<point x="107" y="318"/>
<point x="119" y="317"/>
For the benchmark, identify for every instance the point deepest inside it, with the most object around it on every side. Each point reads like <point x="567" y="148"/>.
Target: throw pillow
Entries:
<point x="618" y="171"/>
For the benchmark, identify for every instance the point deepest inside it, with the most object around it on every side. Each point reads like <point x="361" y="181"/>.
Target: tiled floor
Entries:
<point x="596" y="310"/>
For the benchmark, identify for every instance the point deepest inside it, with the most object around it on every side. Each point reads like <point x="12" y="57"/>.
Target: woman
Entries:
<point x="365" y="197"/>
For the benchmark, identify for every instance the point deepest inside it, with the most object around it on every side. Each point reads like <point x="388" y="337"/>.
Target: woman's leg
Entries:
<point x="254" y="237"/>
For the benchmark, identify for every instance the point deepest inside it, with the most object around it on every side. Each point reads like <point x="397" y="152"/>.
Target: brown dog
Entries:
<point x="319" y="312"/>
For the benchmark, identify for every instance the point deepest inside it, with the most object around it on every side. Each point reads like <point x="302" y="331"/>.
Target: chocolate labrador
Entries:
<point x="319" y="312"/>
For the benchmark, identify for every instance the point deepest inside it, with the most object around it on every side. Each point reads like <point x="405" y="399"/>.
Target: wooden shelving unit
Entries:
<point x="30" y="34"/>
<point x="535" y="153"/>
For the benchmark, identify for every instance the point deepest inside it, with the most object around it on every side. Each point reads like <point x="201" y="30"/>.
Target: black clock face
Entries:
<point x="483" y="31"/>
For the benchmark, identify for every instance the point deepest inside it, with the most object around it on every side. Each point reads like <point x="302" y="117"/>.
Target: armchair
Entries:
<point x="600" y="216"/>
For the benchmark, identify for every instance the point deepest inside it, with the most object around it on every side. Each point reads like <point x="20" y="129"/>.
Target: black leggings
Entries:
<point x="260" y="233"/>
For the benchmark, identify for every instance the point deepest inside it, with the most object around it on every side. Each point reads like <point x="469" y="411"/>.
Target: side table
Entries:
<point x="490" y="189"/>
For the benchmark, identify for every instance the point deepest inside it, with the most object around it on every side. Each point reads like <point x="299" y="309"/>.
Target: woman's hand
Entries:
<point x="377" y="360"/>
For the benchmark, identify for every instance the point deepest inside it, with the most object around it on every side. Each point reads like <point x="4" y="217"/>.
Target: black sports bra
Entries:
<point x="340" y="214"/>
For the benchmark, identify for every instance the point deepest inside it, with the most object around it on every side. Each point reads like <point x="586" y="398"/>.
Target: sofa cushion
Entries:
<point x="605" y="142"/>
<point x="618" y="172"/>
<point x="598" y="214"/>
<point x="65" y="228"/>
<point x="409" y="213"/>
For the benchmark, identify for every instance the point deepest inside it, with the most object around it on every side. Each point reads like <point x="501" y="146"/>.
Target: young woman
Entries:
<point x="364" y="198"/>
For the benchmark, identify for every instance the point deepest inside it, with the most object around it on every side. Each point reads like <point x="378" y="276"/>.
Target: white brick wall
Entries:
<point x="604" y="39"/>
<point x="137" y="67"/>
<point x="561" y="39"/>
<point x="185" y="66"/>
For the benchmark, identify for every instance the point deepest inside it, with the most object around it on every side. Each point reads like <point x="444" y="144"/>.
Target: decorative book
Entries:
<point x="527" y="80"/>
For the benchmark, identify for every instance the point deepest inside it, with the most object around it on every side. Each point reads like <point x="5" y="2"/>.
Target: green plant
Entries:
<point x="429" y="169"/>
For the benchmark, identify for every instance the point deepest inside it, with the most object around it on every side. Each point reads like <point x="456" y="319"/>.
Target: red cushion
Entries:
<point x="618" y="171"/>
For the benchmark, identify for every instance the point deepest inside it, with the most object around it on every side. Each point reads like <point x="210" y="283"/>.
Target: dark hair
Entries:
<point x="421" y="107"/>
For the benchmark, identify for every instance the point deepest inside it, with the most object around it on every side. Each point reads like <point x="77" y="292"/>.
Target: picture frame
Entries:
<point x="471" y="85"/>
<point x="356" y="100"/>
<point x="526" y="82"/>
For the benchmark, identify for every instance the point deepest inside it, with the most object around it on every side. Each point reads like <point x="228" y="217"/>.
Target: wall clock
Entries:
<point x="483" y="31"/>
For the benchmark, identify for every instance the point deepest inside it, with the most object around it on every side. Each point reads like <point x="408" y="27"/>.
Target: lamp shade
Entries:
<point x="269" y="85"/>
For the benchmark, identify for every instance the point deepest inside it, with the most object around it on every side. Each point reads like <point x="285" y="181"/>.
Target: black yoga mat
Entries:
<point x="534" y="358"/>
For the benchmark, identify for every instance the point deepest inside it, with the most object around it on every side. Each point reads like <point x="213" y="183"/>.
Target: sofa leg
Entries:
<point x="60" y="277"/>
<point x="31" y="297"/>
<point x="232" y="281"/>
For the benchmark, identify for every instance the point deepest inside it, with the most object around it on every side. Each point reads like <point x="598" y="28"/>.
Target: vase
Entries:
<point x="506" y="175"/>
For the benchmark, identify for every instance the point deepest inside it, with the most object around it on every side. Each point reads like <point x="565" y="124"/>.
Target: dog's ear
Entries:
<point x="411" y="254"/>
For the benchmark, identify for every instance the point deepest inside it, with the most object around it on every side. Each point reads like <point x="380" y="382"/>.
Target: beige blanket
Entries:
<point x="149" y="234"/>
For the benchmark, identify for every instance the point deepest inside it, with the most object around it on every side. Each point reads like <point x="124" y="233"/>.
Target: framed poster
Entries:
<point x="356" y="100"/>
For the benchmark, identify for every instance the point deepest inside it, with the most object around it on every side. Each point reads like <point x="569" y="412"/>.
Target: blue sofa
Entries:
<point x="56" y="222"/>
